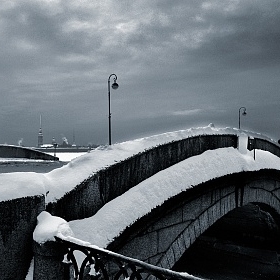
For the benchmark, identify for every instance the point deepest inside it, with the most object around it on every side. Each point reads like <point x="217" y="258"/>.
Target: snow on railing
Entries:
<point x="98" y="263"/>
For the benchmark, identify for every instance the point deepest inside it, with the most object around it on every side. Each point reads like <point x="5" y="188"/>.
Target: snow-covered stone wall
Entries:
<point x="106" y="184"/>
<point x="10" y="151"/>
<point x="88" y="197"/>
<point x="164" y="234"/>
<point x="82" y="187"/>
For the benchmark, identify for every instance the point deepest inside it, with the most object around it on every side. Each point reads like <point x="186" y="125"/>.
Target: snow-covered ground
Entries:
<point x="66" y="157"/>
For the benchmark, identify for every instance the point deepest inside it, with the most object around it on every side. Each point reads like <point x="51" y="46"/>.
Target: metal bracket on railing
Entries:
<point x="97" y="263"/>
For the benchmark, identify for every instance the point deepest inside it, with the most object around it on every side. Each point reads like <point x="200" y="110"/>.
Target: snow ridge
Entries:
<point x="59" y="181"/>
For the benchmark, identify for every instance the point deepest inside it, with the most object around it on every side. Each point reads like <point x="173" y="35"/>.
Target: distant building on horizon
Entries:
<point x="40" y="134"/>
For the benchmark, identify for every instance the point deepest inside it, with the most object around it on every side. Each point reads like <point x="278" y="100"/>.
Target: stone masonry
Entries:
<point x="162" y="236"/>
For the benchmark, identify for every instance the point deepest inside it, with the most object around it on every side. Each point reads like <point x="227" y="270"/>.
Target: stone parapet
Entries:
<point x="88" y="197"/>
<point x="48" y="261"/>
<point x="18" y="220"/>
<point x="9" y="151"/>
<point x="163" y="235"/>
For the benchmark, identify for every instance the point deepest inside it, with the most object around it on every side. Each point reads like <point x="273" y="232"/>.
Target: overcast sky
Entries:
<point x="179" y="64"/>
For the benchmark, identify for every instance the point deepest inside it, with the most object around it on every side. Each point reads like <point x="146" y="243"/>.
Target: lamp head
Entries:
<point x="244" y="113"/>
<point x="115" y="85"/>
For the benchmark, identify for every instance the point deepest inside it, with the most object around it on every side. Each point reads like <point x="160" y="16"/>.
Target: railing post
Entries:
<point x="48" y="261"/>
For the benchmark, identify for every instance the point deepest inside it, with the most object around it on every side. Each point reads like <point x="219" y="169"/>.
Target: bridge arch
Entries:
<point x="162" y="236"/>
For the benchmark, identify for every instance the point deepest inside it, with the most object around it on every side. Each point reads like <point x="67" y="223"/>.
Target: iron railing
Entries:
<point x="97" y="263"/>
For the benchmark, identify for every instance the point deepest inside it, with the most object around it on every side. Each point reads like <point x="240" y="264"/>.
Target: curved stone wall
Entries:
<point x="7" y="151"/>
<point x="162" y="236"/>
<point x="265" y="145"/>
<point x="188" y="214"/>
<point x="88" y="197"/>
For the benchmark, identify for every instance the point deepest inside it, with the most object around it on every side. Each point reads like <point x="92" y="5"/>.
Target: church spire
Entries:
<point x="40" y="134"/>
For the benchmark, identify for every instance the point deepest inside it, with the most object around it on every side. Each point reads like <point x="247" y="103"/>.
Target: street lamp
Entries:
<point x="243" y="113"/>
<point x="114" y="86"/>
<point x="55" y="146"/>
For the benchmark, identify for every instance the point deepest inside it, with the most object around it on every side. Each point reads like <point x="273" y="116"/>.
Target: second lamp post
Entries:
<point x="243" y="113"/>
<point x="114" y="86"/>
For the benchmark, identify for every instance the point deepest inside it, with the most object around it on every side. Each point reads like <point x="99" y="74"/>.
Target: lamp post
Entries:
<point x="55" y="146"/>
<point x="114" y="86"/>
<point x="243" y="113"/>
<point x="252" y="145"/>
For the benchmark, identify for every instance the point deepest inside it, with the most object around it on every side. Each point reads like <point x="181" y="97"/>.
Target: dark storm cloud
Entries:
<point x="177" y="62"/>
<point x="244" y="38"/>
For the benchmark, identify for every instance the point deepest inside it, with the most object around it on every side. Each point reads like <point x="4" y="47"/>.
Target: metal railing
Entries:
<point x="97" y="263"/>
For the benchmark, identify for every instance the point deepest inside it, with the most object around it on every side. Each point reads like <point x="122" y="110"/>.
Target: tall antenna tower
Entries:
<point x="40" y="134"/>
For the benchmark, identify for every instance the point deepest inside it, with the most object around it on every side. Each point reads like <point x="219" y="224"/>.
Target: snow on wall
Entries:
<point x="49" y="226"/>
<point x="121" y="212"/>
<point x="59" y="181"/>
<point x="124" y="210"/>
<point x="118" y="214"/>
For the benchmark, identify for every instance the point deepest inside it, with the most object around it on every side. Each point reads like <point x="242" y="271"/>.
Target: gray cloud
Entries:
<point x="206" y="57"/>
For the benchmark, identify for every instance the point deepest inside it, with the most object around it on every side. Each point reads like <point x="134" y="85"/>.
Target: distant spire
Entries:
<point x="40" y="134"/>
<point x="74" y="138"/>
